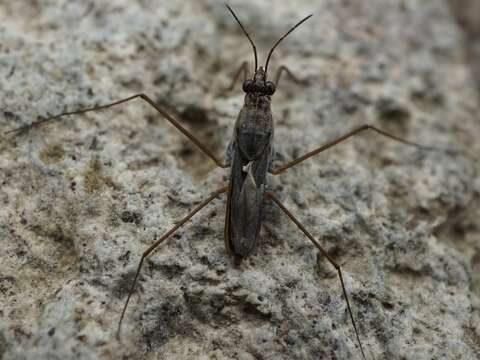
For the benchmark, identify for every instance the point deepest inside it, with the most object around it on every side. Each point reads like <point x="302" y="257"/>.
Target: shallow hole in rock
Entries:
<point x="393" y="117"/>
<point x="387" y="305"/>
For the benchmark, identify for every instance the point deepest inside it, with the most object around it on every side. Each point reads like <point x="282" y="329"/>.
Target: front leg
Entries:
<point x="243" y="69"/>
<point x="283" y="69"/>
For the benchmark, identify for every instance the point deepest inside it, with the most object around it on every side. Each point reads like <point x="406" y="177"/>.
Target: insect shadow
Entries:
<point x="249" y="156"/>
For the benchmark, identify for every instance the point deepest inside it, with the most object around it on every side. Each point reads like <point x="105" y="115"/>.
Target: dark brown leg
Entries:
<point x="285" y="69"/>
<point x="158" y="242"/>
<point x="144" y="97"/>
<point x="325" y="254"/>
<point x="345" y="137"/>
<point x="242" y="69"/>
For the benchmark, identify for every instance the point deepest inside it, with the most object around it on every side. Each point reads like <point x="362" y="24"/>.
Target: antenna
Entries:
<point x="283" y="37"/>
<point x="248" y="36"/>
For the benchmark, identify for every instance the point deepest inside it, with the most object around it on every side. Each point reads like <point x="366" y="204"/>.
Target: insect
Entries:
<point x="250" y="157"/>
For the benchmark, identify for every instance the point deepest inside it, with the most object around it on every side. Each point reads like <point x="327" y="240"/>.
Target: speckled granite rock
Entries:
<point x="83" y="198"/>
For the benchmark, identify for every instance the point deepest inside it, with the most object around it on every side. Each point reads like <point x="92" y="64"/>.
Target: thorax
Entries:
<point x="253" y="132"/>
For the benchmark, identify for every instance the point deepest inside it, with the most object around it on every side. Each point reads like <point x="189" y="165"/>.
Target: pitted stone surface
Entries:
<point x="84" y="197"/>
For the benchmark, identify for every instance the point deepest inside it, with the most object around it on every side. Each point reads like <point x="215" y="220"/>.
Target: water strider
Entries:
<point x="250" y="157"/>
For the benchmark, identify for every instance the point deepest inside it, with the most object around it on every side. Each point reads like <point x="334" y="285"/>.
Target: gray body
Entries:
<point x="250" y="154"/>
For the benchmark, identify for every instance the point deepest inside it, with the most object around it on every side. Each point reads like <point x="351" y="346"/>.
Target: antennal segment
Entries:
<point x="248" y="36"/>
<point x="283" y="37"/>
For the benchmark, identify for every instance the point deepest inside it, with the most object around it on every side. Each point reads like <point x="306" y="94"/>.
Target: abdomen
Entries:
<point x="244" y="204"/>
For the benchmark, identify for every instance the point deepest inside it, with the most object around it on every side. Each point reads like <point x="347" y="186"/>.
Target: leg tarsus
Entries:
<point x="130" y="292"/>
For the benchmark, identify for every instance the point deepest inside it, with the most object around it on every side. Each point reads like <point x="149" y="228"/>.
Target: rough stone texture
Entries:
<point x="468" y="16"/>
<point x="82" y="198"/>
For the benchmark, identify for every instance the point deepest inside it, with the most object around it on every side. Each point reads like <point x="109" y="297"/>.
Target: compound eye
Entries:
<point x="247" y="85"/>
<point x="270" y="88"/>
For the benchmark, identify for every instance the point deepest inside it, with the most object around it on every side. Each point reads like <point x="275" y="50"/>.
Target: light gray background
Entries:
<point x="81" y="199"/>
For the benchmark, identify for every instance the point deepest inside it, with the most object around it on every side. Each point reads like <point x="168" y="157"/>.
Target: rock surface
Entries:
<point x="84" y="197"/>
<point x="468" y="17"/>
